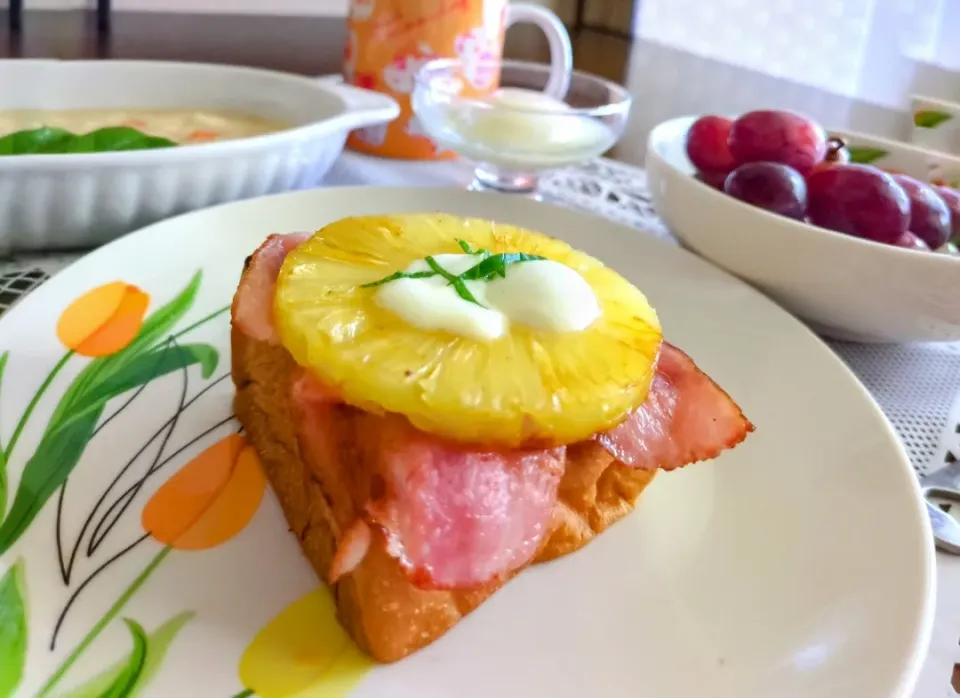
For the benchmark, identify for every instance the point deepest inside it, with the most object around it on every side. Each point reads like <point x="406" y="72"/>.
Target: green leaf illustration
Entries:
<point x="158" y="643"/>
<point x="126" y="679"/>
<point x="154" y="363"/>
<point x="162" y="320"/>
<point x="866" y="155"/>
<point x="57" y="455"/>
<point x="143" y="369"/>
<point x="929" y="118"/>
<point x="13" y="629"/>
<point x="3" y="456"/>
<point x="76" y="416"/>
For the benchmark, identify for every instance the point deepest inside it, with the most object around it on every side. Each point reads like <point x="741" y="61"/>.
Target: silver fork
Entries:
<point x="943" y="484"/>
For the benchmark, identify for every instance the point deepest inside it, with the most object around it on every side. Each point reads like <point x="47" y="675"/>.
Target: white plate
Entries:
<point x="798" y="565"/>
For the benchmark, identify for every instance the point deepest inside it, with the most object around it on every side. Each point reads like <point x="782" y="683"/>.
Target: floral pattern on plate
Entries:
<point x="205" y="503"/>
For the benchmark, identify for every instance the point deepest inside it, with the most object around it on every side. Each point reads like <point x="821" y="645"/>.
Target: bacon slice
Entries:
<point x="456" y="518"/>
<point x="307" y="389"/>
<point x="686" y="418"/>
<point x="252" y="310"/>
<point x="451" y="516"/>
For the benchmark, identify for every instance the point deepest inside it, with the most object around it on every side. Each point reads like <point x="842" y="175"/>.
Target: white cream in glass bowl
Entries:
<point x="520" y="130"/>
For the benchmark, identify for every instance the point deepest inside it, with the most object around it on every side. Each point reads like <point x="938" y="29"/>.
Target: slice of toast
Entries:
<point x="323" y="492"/>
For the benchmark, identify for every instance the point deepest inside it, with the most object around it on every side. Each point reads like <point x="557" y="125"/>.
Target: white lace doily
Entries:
<point x="917" y="386"/>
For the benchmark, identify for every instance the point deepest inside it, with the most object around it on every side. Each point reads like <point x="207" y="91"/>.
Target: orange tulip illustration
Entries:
<point x="103" y="320"/>
<point x="303" y="652"/>
<point x="207" y="502"/>
<point x="210" y="500"/>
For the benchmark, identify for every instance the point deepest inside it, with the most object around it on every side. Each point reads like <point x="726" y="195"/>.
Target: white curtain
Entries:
<point x="880" y="51"/>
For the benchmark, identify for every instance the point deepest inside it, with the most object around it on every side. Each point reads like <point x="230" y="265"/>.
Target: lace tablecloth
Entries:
<point x="918" y="386"/>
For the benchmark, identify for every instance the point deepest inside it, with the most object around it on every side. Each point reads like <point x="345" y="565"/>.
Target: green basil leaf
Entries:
<point x="115" y="139"/>
<point x="158" y="643"/>
<point x="55" y="141"/>
<point x="13" y="629"/>
<point x="865" y="155"/>
<point x="929" y="118"/>
<point x="42" y="140"/>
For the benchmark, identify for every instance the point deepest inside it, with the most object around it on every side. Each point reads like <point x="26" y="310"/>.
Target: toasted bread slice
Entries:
<point x="323" y="492"/>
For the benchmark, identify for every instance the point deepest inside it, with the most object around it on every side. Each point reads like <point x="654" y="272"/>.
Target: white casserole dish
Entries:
<point x="82" y="200"/>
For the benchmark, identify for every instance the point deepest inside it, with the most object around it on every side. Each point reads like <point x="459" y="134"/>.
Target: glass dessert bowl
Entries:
<point x="519" y="131"/>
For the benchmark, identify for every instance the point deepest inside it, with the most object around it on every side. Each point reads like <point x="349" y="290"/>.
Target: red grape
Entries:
<point x="778" y="136"/>
<point x="771" y="186"/>
<point x="929" y="215"/>
<point x="707" y="144"/>
<point x="712" y="179"/>
<point x="912" y="242"/>
<point x="951" y="197"/>
<point x="858" y="200"/>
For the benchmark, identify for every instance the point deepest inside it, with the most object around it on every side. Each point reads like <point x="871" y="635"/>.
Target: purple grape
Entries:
<point x="929" y="215"/>
<point x="771" y="186"/>
<point x="912" y="242"/>
<point x="858" y="200"/>
<point x="778" y="136"/>
<point x="712" y="179"/>
<point x="951" y="197"/>
<point x="707" y="144"/>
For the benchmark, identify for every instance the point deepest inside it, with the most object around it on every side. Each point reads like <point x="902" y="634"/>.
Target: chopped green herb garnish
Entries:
<point x="492" y="266"/>
<point x="496" y="265"/>
<point x="455" y="281"/>
<point x="400" y="275"/>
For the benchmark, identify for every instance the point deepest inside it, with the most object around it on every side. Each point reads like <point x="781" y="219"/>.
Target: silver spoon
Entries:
<point x="945" y="485"/>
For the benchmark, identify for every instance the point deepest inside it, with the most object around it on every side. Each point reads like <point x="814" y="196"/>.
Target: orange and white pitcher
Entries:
<point x="389" y="40"/>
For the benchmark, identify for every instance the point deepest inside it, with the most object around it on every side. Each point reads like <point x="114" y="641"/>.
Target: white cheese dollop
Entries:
<point x="542" y="294"/>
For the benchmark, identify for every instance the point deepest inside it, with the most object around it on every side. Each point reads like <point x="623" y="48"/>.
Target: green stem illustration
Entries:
<point x="33" y="403"/>
<point x="202" y="321"/>
<point x="245" y="693"/>
<point x="103" y="622"/>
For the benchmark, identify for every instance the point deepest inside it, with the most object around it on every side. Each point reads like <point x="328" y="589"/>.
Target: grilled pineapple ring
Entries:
<point x="529" y="388"/>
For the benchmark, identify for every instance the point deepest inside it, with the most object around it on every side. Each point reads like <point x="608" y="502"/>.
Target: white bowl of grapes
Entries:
<point x="854" y="234"/>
